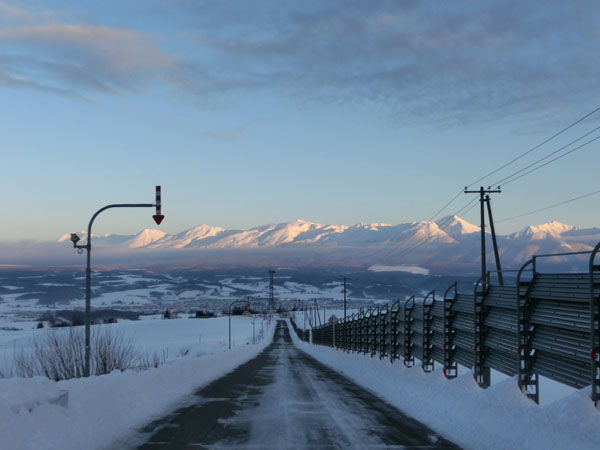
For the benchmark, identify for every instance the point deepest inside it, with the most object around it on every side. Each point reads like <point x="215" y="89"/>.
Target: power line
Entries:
<point x="446" y="205"/>
<point x="546" y="157"/>
<point x="506" y="180"/>
<point x="471" y="203"/>
<point x="535" y="147"/>
<point x="409" y="250"/>
<point x="404" y="242"/>
<point x="420" y="244"/>
<point x="551" y="161"/>
<point x="550" y="206"/>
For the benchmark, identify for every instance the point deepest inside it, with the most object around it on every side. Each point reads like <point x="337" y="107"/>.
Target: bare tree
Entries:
<point x="60" y="354"/>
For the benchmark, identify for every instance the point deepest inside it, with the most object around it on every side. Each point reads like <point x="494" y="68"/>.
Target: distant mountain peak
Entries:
<point x="456" y="227"/>
<point x="551" y="229"/>
<point x="145" y="237"/>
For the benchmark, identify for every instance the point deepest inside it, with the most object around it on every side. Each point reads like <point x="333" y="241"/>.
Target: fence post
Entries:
<point x="385" y="339"/>
<point x="527" y="380"/>
<point x="481" y="371"/>
<point x="427" y="363"/>
<point x="394" y="333"/>
<point x="409" y="359"/>
<point x="595" y="326"/>
<point x="364" y="325"/>
<point x="375" y="331"/>
<point x="450" y="366"/>
<point x="333" y="331"/>
<point x="360" y="337"/>
<point x="352" y="331"/>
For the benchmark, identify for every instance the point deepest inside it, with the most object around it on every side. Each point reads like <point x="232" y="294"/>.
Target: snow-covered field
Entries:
<point x="106" y="411"/>
<point x="137" y="292"/>
<point x="31" y="295"/>
<point x="496" y="418"/>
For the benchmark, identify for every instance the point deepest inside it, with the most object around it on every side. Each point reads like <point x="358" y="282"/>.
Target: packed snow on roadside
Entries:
<point x="106" y="411"/>
<point x="496" y="418"/>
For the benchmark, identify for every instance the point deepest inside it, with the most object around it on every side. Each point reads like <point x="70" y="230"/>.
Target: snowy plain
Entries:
<point x="106" y="411"/>
<point x="497" y="418"/>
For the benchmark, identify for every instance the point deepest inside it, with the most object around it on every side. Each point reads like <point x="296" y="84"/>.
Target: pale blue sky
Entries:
<point x="253" y="112"/>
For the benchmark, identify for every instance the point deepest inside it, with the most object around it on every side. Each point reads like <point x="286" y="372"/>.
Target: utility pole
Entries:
<point x="345" y="279"/>
<point x="494" y="242"/>
<point x="482" y="193"/>
<point x="271" y="290"/>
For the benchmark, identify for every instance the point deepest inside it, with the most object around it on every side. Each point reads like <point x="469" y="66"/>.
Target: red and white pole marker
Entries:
<point x="158" y="217"/>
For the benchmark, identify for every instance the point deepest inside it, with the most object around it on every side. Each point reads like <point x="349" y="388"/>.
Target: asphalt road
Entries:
<point x="285" y="399"/>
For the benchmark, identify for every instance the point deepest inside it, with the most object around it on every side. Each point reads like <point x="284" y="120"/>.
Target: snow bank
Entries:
<point x="496" y="418"/>
<point x="105" y="411"/>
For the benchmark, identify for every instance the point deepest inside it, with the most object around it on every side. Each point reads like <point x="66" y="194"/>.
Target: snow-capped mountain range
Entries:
<point x="448" y="240"/>
<point x="296" y="233"/>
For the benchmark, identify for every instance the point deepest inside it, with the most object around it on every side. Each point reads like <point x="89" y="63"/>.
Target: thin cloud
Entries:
<point x="83" y="58"/>
<point x="13" y="14"/>
<point x="456" y="61"/>
<point x="467" y="60"/>
<point x="10" y="12"/>
<point x="17" y="82"/>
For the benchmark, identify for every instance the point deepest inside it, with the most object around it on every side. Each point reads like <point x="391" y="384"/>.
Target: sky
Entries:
<point x="256" y="112"/>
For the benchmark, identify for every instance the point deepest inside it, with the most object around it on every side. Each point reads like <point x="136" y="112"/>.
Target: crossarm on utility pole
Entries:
<point x="482" y="192"/>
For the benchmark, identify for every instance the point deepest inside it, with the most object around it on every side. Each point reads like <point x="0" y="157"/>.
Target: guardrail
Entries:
<point x="546" y="325"/>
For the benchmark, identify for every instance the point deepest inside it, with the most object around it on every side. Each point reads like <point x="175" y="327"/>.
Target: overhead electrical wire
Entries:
<point x="462" y="210"/>
<point x="425" y="241"/>
<point x="512" y="178"/>
<point x="446" y="205"/>
<point x="534" y="148"/>
<point x="405" y="242"/>
<point x="555" y="135"/>
<point x="506" y="180"/>
<point x="549" y="206"/>
<point x="503" y="180"/>
<point x="551" y="161"/>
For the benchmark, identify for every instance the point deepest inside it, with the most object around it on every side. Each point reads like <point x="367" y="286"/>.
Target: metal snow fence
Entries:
<point x="558" y="333"/>
<point x="461" y="336"/>
<point x="547" y="325"/>
<point x="383" y="338"/>
<point x="302" y="334"/>
<point x="401" y="336"/>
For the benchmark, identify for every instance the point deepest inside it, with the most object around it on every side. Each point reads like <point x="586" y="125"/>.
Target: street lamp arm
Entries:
<point x="116" y="205"/>
<point x="88" y="270"/>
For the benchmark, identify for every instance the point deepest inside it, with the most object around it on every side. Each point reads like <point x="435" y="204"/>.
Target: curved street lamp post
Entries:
<point x="158" y="217"/>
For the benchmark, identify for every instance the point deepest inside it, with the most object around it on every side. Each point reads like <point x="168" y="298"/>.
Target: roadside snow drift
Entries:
<point x="106" y="411"/>
<point x="496" y="418"/>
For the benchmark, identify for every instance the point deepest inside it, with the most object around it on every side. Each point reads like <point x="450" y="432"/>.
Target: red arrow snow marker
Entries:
<point x="158" y="217"/>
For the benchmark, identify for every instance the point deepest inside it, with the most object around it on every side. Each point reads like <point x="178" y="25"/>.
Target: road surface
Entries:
<point x="285" y="399"/>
